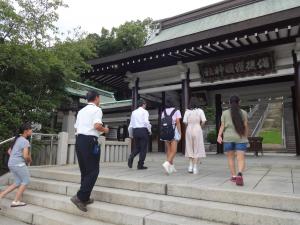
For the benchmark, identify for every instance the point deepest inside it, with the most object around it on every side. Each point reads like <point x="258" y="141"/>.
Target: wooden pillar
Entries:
<point x="135" y="94"/>
<point x="186" y="91"/>
<point x="218" y="105"/>
<point x="296" y="127"/>
<point x="296" y="101"/>
<point x="184" y="106"/>
<point x="161" y="144"/>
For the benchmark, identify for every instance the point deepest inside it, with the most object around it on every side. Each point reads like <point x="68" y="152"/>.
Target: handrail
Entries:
<point x="260" y="122"/>
<point x="250" y="114"/>
<point x="33" y="134"/>
<point x="7" y="140"/>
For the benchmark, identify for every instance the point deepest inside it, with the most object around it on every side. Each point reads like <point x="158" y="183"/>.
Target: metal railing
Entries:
<point x="250" y="114"/>
<point x="260" y="122"/>
<point x="7" y="141"/>
<point x="43" y="148"/>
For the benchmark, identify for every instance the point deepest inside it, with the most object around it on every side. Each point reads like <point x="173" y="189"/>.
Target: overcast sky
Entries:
<point x="92" y="15"/>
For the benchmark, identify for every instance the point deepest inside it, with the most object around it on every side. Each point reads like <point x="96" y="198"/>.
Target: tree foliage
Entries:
<point x="32" y="74"/>
<point x="35" y="65"/>
<point x="127" y="36"/>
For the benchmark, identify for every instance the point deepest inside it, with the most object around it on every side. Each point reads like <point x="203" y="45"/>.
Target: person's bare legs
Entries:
<point x="231" y="162"/>
<point x="20" y="192"/>
<point x="8" y="190"/>
<point x="173" y="150"/>
<point x="168" y="145"/>
<point x="240" y="155"/>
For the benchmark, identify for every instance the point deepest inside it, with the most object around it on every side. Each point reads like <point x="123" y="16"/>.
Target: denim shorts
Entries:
<point x="233" y="146"/>
<point x="20" y="174"/>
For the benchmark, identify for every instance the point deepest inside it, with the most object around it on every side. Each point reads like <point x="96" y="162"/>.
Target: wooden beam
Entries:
<point x="202" y="49"/>
<point x="227" y="44"/>
<point x="267" y="35"/>
<point x="100" y="77"/>
<point x="110" y="79"/>
<point x="254" y="38"/>
<point x="283" y="33"/>
<point x="263" y="37"/>
<point x="289" y="30"/>
<point x="194" y="50"/>
<point x="178" y="53"/>
<point x="210" y="48"/>
<point x="277" y="33"/>
<point x="236" y="42"/>
<point x="186" y="52"/>
<point x="115" y="83"/>
<point x="245" y="40"/>
<point x="173" y="56"/>
<point x="218" y="46"/>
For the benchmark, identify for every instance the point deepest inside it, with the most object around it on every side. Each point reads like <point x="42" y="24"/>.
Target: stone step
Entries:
<point x="263" y="200"/>
<point x="37" y="215"/>
<point x="7" y="221"/>
<point x="112" y="214"/>
<point x="138" y="205"/>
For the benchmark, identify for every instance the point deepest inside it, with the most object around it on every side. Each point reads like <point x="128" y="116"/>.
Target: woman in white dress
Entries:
<point x="195" y="119"/>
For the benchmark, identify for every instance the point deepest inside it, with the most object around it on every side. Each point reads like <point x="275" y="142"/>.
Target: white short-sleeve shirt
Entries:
<point x="87" y="118"/>
<point x="198" y="112"/>
<point x="140" y="119"/>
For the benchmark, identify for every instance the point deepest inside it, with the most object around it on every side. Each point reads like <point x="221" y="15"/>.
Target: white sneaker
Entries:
<point x="195" y="169"/>
<point x="172" y="169"/>
<point x="167" y="166"/>
<point x="190" y="169"/>
<point x="17" y="204"/>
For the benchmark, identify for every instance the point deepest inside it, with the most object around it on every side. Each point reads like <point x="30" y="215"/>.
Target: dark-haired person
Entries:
<point x="139" y="129"/>
<point x="235" y="129"/>
<point x="88" y="129"/>
<point x="195" y="119"/>
<point x="171" y="145"/>
<point x="19" y="159"/>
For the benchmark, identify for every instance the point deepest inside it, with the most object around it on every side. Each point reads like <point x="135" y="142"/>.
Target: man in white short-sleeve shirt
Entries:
<point x="139" y="129"/>
<point x="88" y="129"/>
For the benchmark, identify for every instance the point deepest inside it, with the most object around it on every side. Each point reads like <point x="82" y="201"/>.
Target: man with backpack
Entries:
<point x="139" y="129"/>
<point x="170" y="132"/>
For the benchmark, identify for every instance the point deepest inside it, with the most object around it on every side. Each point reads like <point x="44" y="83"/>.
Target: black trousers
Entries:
<point x="89" y="164"/>
<point x="141" y="138"/>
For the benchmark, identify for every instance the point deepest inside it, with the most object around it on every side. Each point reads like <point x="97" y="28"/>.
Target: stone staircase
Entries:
<point x="256" y="117"/>
<point x="289" y="127"/>
<point x="132" y="202"/>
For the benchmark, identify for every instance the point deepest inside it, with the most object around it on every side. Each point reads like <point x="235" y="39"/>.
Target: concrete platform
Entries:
<point x="150" y="197"/>
<point x="271" y="174"/>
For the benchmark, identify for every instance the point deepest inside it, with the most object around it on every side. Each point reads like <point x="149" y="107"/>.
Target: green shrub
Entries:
<point x="212" y="137"/>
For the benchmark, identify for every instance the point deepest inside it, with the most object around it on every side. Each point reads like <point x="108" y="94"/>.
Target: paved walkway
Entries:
<point x="276" y="174"/>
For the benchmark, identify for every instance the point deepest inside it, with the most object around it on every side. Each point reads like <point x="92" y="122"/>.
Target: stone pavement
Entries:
<point x="275" y="174"/>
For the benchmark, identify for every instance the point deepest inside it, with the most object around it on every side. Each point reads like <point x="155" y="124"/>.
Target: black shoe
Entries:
<point x="142" y="167"/>
<point x="79" y="204"/>
<point x="130" y="162"/>
<point x="90" y="201"/>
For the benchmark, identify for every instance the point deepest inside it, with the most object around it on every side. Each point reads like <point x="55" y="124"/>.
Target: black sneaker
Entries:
<point x="130" y="162"/>
<point x="142" y="167"/>
<point x="79" y="204"/>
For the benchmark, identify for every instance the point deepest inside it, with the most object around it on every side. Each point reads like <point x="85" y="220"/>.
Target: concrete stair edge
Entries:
<point x="37" y="215"/>
<point x="271" y="201"/>
<point x="198" y="209"/>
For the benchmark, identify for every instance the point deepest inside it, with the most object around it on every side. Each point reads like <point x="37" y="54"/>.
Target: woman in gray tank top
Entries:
<point x="19" y="159"/>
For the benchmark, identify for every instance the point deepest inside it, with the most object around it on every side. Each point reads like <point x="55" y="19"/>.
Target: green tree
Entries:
<point x="128" y="36"/>
<point x="32" y="74"/>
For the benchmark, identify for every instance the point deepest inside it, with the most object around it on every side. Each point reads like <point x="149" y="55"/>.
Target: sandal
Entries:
<point x="17" y="204"/>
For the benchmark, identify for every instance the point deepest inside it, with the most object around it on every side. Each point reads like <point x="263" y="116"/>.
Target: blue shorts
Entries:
<point x="20" y="174"/>
<point x="233" y="146"/>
